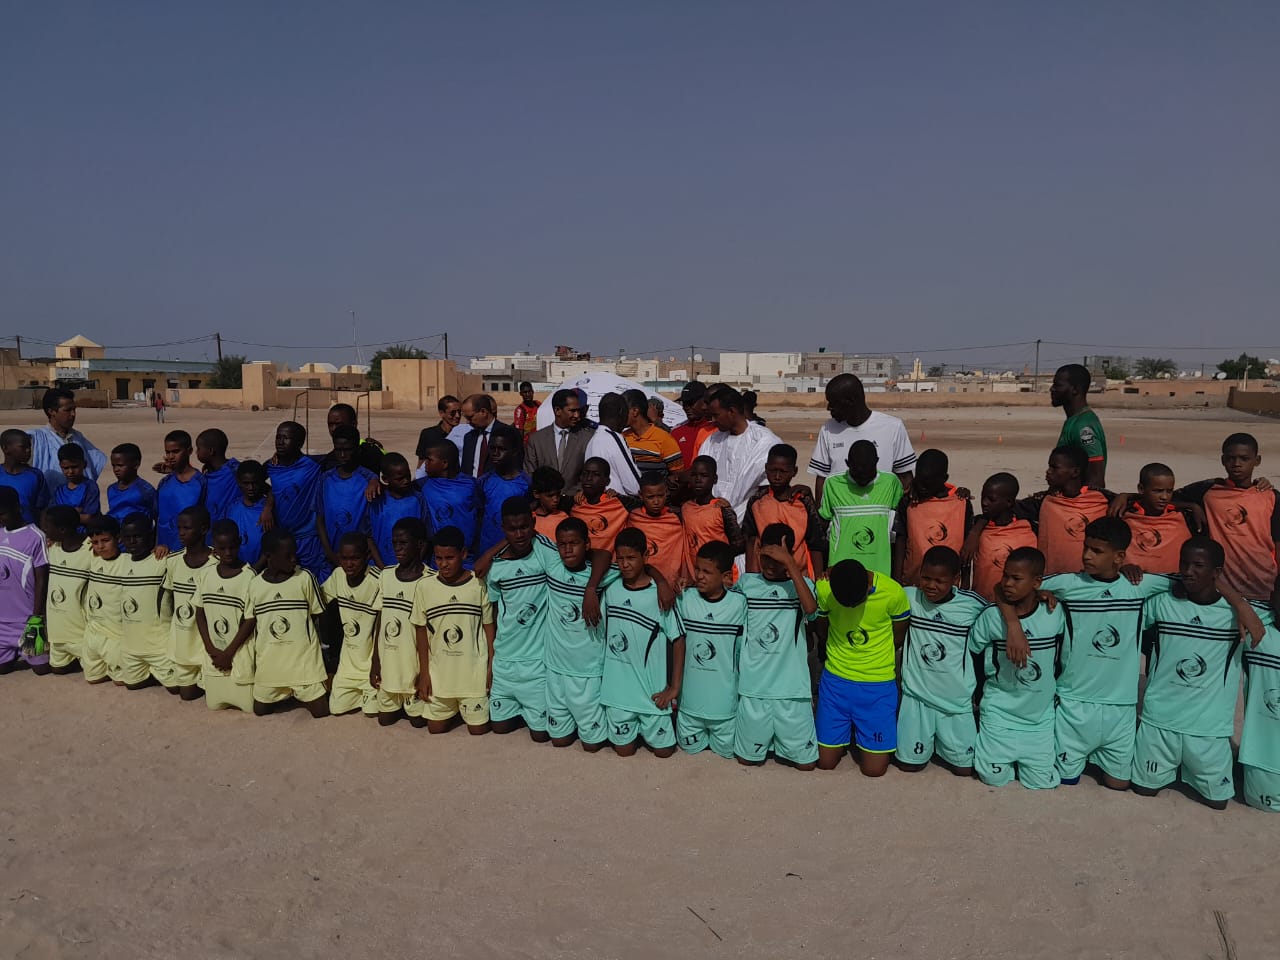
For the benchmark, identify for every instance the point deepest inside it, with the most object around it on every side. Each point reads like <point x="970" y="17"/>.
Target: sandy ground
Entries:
<point x="136" y="826"/>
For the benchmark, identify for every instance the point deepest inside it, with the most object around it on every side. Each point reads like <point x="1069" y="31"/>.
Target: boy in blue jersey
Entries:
<point x="1260" y="736"/>
<point x="714" y="618"/>
<point x="1015" y="721"/>
<point x="1193" y="676"/>
<point x="221" y="489"/>
<point x="295" y="489"/>
<point x="344" y="508"/>
<point x="574" y="649"/>
<point x="452" y="497"/>
<point x="130" y="493"/>
<point x="644" y="656"/>
<point x="400" y="498"/>
<point x="775" y="704"/>
<point x="246" y="511"/>
<point x="939" y="677"/>
<point x="502" y="480"/>
<point x="182" y="486"/>
<point x="26" y="481"/>
<point x="79" y="492"/>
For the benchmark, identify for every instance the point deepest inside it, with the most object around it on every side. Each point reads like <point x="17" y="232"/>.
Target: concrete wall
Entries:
<point x="419" y="384"/>
<point x="1265" y="404"/>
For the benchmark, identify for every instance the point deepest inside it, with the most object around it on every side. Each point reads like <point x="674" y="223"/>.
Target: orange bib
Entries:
<point x="1240" y="520"/>
<point x="1062" y="523"/>
<point x="1157" y="541"/>
<point x="668" y="551"/>
<point x="936" y="522"/>
<point x="604" y="520"/>
<point x="769" y="510"/>
<point x="994" y="547"/>
<point x="547" y="525"/>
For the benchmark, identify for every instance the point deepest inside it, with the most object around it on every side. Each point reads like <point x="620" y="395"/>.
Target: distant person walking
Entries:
<point x="852" y="420"/>
<point x="1070" y="391"/>
<point x="157" y="401"/>
<point x="60" y="407"/>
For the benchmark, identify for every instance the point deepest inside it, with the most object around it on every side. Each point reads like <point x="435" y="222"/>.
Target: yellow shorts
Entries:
<point x="221" y="691"/>
<point x="100" y="656"/>
<point x="185" y="675"/>
<point x="306" y="693"/>
<point x="474" y="710"/>
<point x="347" y="696"/>
<point x="135" y="668"/>
<point x="391" y="702"/>
<point x="63" y="654"/>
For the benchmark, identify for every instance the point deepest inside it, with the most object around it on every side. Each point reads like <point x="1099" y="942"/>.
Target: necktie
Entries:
<point x="561" y="440"/>
<point x="482" y="458"/>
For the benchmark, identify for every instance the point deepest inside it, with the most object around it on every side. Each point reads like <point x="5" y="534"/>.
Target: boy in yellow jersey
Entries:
<point x="145" y="609"/>
<point x="282" y="605"/>
<point x="183" y="571"/>
<point x="866" y="615"/>
<point x="396" y="664"/>
<point x="453" y="617"/>
<point x="69" y="559"/>
<point x="100" y="651"/>
<point x="353" y="587"/>
<point x="222" y="594"/>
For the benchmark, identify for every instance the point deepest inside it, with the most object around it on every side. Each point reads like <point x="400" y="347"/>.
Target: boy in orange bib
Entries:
<point x="781" y="501"/>
<point x="1061" y="512"/>
<point x="934" y="513"/>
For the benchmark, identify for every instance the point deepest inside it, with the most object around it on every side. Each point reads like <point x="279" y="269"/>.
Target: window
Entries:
<point x="193" y="384"/>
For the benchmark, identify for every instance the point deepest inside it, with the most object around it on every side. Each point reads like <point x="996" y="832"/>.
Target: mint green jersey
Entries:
<point x="1260" y="738"/>
<point x="712" y="637"/>
<point x="862" y="520"/>
<point x="773" y="663"/>
<point x="936" y="667"/>
<point x="518" y="590"/>
<point x="573" y="647"/>
<point x="1193" y="671"/>
<point x="638" y="634"/>
<point x="1100" y="655"/>
<point x="1018" y="696"/>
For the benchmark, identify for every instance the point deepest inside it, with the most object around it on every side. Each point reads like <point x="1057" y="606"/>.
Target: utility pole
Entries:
<point x="692" y="373"/>
<point x="18" y="340"/>
<point x="1035" y="380"/>
<point x="446" y="346"/>
<point x="218" y="337"/>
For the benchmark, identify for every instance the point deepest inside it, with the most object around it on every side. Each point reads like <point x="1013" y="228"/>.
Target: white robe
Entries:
<point x="740" y="463"/>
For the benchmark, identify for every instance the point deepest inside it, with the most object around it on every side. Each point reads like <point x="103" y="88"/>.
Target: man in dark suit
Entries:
<point x="563" y="444"/>
<point x="472" y="439"/>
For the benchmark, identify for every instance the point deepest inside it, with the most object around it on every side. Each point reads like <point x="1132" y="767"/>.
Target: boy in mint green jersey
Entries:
<point x="1193" y="676"/>
<point x="1260" y="738"/>
<point x="939" y="678"/>
<point x="644" y="656"/>
<point x="574" y="648"/>
<point x="714" y="617"/>
<point x="775" y="702"/>
<point x="862" y="507"/>
<point x="1015" y="720"/>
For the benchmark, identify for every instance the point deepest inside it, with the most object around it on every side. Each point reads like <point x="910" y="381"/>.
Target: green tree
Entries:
<point x="935" y="372"/>
<point x="397" y="351"/>
<point x="1243" y="365"/>
<point x="1149" y="368"/>
<point x="1115" y="369"/>
<point x="227" y="374"/>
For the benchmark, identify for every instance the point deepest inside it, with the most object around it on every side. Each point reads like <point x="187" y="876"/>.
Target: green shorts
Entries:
<point x="519" y="690"/>
<point x="655" y="729"/>
<point x="698" y="733"/>
<point x="184" y="675"/>
<point x="348" y="694"/>
<point x="1000" y="748"/>
<point x="1100" y="733"/>
<point x="924" y="730"/>
<point x="573" y="705"/>
<point x="136" y="667"/>
<point x="1262" y="789"/>
<point x="303" y="693"/>
<point x="1204" y="762"/>
<point x="784" y="726"/>
<point x="222" y="691"/>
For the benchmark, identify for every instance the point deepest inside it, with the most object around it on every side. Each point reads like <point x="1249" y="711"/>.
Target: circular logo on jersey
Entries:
<point x="5" y="572"/>
<point x="768" y="636"/>
<point x="857" y="637"/>
<point x="651" y="549"/>
<point x="704" y="651"/>
<point x="344" y="520"/>
<point x="57" y="596"/>
<point x="1236" y="515"/>
<point x="1029" y="674"/>
<point x="443" y="515"/>
<point x="597" y="524"/>
<point x="1086" y="436"/>
<point x="937" y="533"/>
<point x="618" y="645"/>
<point x="1191" y="668"/>
<point x="279" y="627"/>
<point x="999" y="556"/>
<point x="130" y="607"/>
<point x="695" y="542"/>
<point x="222" y="627"/>
<point x="350" y="628"/>
<point x="1271" y="700"/>
<point x="1075" y="524"/>
<point x="572" y="614"/>
<point x="1106" y="639"/>
<point x="1147" y="539"/>
<point x="393" y="628"/>
<point x="863" y="538"/>
<point x="244" y="539"/>
<point x="453" y="636"/>
<point x="526" y="615"/>
<point x="932" y="652"/>
<point x="95" y="602"/>
<point x="185" y="613"/>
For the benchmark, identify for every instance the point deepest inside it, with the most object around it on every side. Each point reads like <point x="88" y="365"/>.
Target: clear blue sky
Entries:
<point x="641" y="176"/>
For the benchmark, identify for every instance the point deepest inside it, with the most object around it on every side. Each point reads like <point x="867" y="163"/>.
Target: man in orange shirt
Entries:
<point x="652" y="448"/>
<point x="698" y="425"/>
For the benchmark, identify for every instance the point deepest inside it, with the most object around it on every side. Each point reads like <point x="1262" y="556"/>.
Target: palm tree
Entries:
<point x="397" y="351"/>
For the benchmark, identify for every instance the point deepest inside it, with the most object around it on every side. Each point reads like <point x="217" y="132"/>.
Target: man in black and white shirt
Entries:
<point x="852" y="420"/>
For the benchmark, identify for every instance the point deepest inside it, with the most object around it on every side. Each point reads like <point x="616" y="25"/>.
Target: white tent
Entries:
<point x="596" y="385"/>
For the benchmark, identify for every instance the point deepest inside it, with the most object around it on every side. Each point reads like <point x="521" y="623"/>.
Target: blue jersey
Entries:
<point x="137" y="497"/>
<point x="172" y="497"/>
<point x="296" y="488"/>
<point x="246" y="519"/>
<point x="83" y="499"/>
<point x="494" y="492"/>
<point x="383" y="514"/>
<point x="343" y="504"/>
<point x="33" y="492"/>
<point x="454" y="502"/>
<point x="221" y="490"/>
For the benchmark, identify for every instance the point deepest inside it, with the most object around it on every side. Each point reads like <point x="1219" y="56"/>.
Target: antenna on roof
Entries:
<point x="355" y="339"/>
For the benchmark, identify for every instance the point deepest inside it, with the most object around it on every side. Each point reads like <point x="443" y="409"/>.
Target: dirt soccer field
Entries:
<point x="133" y="825"/>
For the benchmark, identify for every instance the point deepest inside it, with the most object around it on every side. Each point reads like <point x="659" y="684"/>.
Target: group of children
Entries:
<point x="1006" y="644"/>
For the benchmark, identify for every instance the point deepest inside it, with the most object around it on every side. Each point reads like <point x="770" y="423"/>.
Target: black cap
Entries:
<point x="693" y="391"/>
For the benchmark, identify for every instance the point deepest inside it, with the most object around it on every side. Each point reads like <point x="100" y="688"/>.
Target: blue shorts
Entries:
<point x="869" y="708"/>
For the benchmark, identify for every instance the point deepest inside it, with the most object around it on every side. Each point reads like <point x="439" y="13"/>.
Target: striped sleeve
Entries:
<point x="820" y="462"/>
<point x="904" y="457"/>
